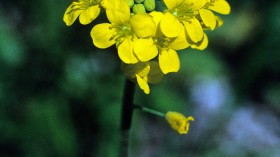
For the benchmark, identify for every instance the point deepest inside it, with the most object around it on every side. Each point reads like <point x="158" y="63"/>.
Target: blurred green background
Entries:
<point x="60" y="96"/>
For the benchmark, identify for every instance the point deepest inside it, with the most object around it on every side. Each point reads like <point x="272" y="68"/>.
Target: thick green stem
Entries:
<point x="126" y="116"/>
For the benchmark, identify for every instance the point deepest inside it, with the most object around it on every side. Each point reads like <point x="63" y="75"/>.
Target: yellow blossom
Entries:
<point x="86" y="10"/>
<point x="184" y="12"/>
<point x="162" y="46"/>
<point x="143" y="73"/>
<point x="178" y="122"/>
<point x="122" y="30"/>
<point x="194" y="16"/>
<point x="147" y="43"/>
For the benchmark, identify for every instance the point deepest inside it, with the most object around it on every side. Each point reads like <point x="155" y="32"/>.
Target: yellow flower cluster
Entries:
<point x="147" y="42"/>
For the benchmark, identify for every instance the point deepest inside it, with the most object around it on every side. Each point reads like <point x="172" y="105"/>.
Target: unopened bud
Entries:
<point x="150" y="5"/>
<point x="139" y="1"/>
<point x="130" y="3"/>
<point x="138" y="8"/>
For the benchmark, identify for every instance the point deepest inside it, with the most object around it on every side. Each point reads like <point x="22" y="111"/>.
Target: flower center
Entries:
<point x="162" y="42"/>
<point x="184" y="12"/>
<point x="124" y="30"/>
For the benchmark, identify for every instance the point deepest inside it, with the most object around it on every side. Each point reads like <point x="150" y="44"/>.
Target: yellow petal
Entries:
<point x="157" y="16"/>
<point x="208" y="18"/>
<point x="155" y="74"/>
<point x="141" y="69"/>
<point x="169" y="61"/>
<point x="180" y="42"/>
<point x="170" y="25"/>
<point x="219" y="21"/>
<point x="117" y="11"/>
<point x="89" y="14"/>
<point x="196" y="4"/>
<point x="143" y="25"/>
<point x="143" y="84"/>
<point x="202" y="44"/>
<point x="172" y="3"/>
<point x="220" y="6"/>
<point x="103" y="35"/>
<point x="194" y="30"/>
<point x="125" y="51"/>
<point x="71" y="15"/>
<point x="145" y="49"/>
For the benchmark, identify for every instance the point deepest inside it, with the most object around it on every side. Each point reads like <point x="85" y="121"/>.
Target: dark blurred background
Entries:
<point x="60" y="96"/>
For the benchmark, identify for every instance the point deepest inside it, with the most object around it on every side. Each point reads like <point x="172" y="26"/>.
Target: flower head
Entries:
<point x="178" y="122"/>
<point x="86" y="10"/>
<point x="194" y="16"/>
<point x="162" y="46"/>
<point x="123" y="30"/>
<point x="148" y="38"/>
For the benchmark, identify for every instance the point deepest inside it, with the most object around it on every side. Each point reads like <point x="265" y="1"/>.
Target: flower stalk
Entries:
<point x="148" y="110"/>
<point x="126" y="116"/>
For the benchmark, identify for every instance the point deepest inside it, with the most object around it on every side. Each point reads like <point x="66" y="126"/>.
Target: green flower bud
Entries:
<point x="130" y="3"/>
<point x="138" y="8"/>
<point x="150" y="5"/>
<point x="139" y="1"/>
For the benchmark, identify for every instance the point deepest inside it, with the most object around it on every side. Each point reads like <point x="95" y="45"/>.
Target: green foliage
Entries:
<point x="12" y="48"/>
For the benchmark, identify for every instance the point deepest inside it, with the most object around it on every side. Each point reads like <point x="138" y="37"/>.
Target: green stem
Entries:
<point x="148" y="110"/>
<point x="126" y="117"/>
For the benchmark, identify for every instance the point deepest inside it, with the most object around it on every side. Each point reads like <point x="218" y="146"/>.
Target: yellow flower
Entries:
<point x="122" y="30"/>
<point x="194" y="16"/>
<point x="178" y="122"/>
<point x="159" y="44"/>
<point x="86" y="10"/>
<point x="183" y="12"/>
<point x="143" y="73"/>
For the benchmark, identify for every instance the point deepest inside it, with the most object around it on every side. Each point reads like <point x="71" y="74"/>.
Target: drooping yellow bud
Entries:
<point x="178" y="121"/>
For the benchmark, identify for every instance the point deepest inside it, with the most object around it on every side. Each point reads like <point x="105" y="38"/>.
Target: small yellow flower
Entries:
<point x="194" y="16"/>
<point x="86" y="10"/>
<point x="184" y="12"/>
<point x="159" y="44"/>
<point x="178" y="122"/>
<point x="122" y="30"/>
